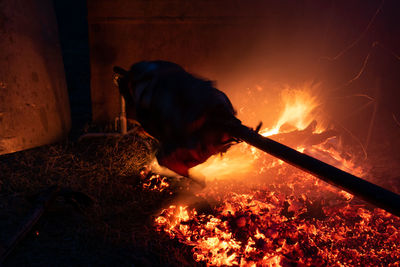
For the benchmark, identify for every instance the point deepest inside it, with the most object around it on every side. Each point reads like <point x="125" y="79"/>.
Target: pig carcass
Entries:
<point x="185" y="113"/>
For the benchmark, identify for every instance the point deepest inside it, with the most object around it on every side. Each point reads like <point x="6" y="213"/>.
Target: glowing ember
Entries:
<point x="267" y="227"/>
<point x="278" y="215"/>
<point x="156" y="183"/>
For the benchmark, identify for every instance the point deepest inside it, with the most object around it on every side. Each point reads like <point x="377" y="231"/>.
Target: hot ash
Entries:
<point x="277" y="215"/>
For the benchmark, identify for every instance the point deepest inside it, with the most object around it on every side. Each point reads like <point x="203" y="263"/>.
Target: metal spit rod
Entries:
<point x="361" y="188"/>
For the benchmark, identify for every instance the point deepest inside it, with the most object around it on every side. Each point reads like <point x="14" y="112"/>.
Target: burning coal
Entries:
<point x="272" y="214"/>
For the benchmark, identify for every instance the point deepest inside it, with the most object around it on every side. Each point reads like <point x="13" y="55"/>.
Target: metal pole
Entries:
<point x="363" y="189"/>
<point x="122" y="116"/>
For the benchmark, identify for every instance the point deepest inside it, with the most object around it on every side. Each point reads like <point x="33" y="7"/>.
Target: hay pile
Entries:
<point x="118" y="228"/>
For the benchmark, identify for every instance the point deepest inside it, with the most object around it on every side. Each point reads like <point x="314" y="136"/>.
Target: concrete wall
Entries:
<point x="34" y="106"/>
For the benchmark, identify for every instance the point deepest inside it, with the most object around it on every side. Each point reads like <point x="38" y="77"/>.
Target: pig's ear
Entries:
<point x="119" y="75"/>
<point x="119" y="70"/>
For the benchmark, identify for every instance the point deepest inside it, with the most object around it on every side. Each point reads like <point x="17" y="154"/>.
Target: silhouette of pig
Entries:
<point x="186" y="114"/>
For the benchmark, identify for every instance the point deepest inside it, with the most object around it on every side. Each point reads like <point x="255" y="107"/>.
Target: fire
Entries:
<point x="299" y="111"/>
<point x="299" y="107"/>
<point x="287" y="217"/>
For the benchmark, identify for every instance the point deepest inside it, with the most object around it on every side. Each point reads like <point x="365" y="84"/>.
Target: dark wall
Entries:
<point x="254" y="48"/>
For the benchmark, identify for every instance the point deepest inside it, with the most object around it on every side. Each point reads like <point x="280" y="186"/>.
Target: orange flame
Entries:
<point x="299" y="111"/>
